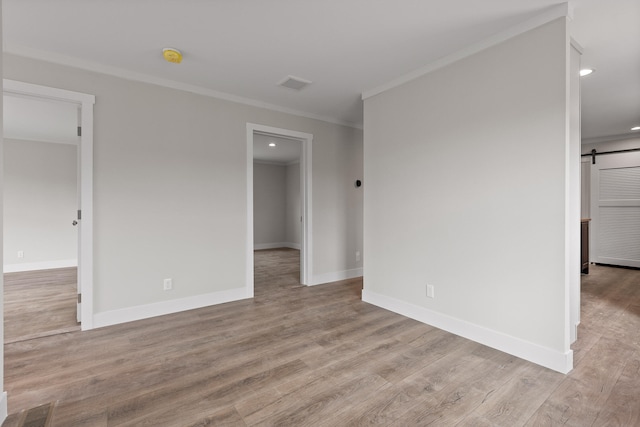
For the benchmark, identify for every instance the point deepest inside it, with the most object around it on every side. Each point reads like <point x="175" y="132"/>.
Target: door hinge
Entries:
<point x="79" y="130"/>
<point x="79" y="298"/>
<point x="79" y="214"/>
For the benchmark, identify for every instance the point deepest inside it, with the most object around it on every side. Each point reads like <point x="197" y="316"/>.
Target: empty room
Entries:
<point x="342" y="213"/>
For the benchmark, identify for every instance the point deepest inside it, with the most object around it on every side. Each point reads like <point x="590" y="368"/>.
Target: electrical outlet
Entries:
<point x="430" y="291"/>
<point x="357" y="256"/>
<point x="168" y="284"/>
<point x="20" y="254"/>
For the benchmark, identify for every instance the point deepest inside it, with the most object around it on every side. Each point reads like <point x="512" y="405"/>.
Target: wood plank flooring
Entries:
<point x="319" y="356"/>
<point x="39" y="303"/>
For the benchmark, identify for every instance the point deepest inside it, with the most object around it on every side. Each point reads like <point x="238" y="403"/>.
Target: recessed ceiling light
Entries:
<point x="272" y="145"/>
<point x="635" y="128"/>
<point x="586" y="71"/>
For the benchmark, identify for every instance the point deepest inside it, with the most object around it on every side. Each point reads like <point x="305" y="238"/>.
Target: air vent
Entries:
<point x="295" y="83"/>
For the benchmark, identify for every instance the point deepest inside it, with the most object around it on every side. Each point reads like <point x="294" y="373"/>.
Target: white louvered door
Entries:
<point x="615" y="209"/>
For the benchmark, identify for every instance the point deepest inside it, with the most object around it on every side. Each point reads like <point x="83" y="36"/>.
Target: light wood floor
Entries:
<point x="275" y="271"/>
<point x="319" y="356"/>
<point x="39" y="303"/>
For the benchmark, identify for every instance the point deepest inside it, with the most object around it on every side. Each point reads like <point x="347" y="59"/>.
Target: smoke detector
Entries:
<point x="172" y="55"/>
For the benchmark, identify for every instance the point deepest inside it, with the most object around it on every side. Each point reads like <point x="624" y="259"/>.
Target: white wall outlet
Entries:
<point x="430" y="291"/>
<point x="357" y="256"/>
<point x="20" y="254"/>
<point x="168" y="284"/>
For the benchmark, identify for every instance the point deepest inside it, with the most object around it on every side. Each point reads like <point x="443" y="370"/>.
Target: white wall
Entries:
<point x="343" y="214"/>
<point x="170" y="191"/>
<point x="276" y="205"/>
<point x="622" y="144"/>
<point x="40" y="202"/>
<point x="455" y="198"/>
<point x="293" y="204"/>
<point x="573" y="244"/>
<point x="269" y="205"/>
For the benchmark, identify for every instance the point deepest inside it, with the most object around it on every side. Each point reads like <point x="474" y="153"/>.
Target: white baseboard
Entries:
<point x="4" y="412"/>
<point x="140" y="312"/>
<point x="319" y="279"/>
<point x="549" y="358"/>
<point x="261" y="246"/>
<point x="43" y="265"/>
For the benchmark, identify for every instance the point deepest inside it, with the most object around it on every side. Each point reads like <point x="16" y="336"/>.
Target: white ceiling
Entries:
<point x="240" y="49"/>
<point x="286" y="150"/>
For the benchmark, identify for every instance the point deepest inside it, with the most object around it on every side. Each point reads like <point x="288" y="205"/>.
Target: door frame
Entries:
<point x="306" y="267"/>
<point x="85" y="103"/>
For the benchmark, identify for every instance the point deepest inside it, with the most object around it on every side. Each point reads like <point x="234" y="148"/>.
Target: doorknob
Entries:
<point x="74" y="223"/>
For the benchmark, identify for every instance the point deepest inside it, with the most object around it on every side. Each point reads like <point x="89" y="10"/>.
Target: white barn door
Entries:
<point x="615" y="209"/>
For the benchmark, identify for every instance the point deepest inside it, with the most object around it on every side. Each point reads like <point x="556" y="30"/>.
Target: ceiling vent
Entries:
<point x="295" y="83"/>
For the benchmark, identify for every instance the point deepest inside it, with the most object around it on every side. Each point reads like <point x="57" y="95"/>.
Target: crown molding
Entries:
<point x="122" y="73"/>
<point x="559" y="11"/>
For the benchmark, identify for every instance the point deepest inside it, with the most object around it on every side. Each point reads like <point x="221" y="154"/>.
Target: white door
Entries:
<point x="615" y="210"/>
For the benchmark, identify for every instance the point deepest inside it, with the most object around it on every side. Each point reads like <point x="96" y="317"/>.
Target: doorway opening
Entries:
<point x="292" y="230"/>
<point x="51" y="231"/>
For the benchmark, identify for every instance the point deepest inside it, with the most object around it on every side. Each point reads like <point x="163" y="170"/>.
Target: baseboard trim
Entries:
<point x="549" y="358"/>
<point x="43" y="265"/>
<point x="130" y="314"/>
<point x="262" y="246"/>
<point x="320" y="279"/>
<point x="4" y="412"/>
